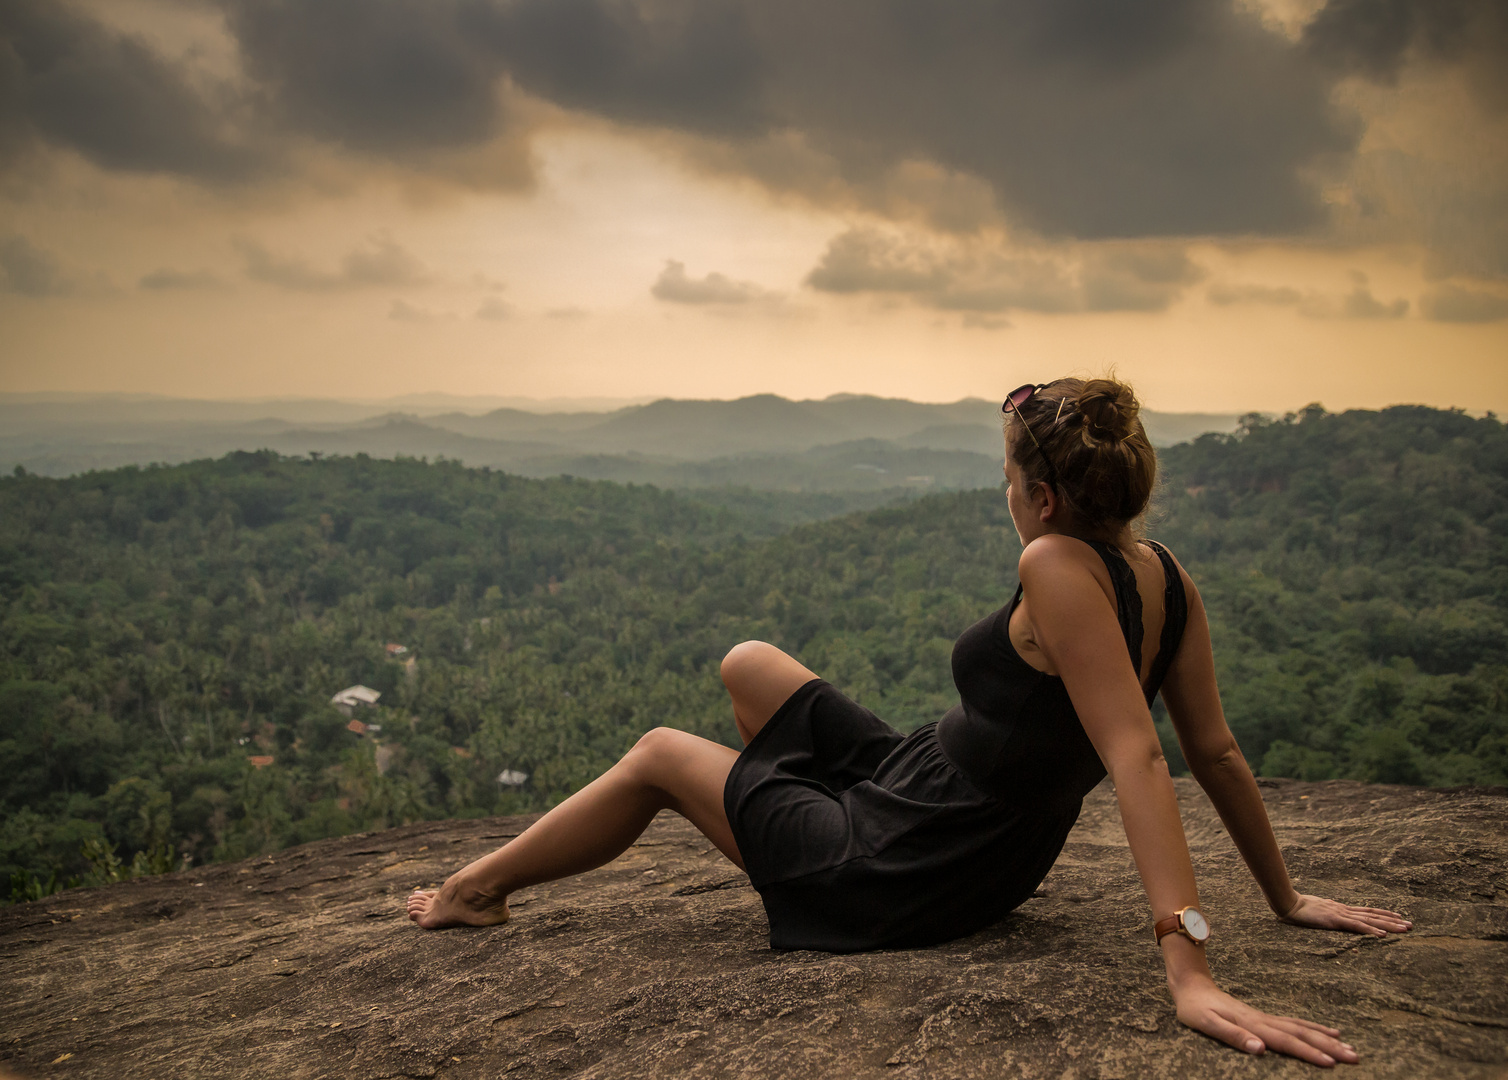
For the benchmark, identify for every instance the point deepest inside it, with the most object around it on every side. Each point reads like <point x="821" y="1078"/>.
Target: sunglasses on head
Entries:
<point x="1013" y="402"/>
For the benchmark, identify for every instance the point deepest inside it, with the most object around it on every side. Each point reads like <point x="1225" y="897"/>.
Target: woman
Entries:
<point x="858" y="837"/>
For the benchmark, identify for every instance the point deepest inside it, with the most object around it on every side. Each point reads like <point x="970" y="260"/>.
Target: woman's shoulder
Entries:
<point x="1056" y="555"/>
<point x="1057" y="558"/>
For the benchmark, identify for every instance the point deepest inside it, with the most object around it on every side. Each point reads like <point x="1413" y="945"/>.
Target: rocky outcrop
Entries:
<point x="302" y="964"/>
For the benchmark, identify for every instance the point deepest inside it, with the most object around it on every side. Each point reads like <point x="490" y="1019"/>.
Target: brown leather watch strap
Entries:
<point x="1163" y="927"/>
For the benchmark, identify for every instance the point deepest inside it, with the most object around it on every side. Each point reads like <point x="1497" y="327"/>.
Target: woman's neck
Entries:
<point x="1118" y="535"/>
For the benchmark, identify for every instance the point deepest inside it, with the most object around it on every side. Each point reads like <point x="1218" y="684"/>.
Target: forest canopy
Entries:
<point x="171" y="637"/>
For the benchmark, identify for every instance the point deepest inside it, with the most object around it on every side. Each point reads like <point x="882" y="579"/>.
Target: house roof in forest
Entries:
<point x="356" y="695"/>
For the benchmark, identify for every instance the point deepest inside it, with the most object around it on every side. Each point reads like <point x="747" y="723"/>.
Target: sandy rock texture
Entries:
<point x="302" y="964"/>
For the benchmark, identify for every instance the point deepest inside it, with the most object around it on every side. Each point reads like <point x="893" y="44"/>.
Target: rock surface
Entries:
<point x="302" y="964"/>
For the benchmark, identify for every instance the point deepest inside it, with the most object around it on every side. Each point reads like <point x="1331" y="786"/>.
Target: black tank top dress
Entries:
<point x="859" y="837"/>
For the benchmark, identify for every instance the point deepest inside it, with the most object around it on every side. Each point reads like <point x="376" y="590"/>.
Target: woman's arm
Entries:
<point x="1075" y="624"/>
<point x="1193" y="700"/>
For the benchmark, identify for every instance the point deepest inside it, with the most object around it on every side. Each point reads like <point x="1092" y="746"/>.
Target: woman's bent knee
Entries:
<point x="746" y="660"/>
<point x="663" y="756"/>
<point x="660" y="752"/>
<point x="657" y="742"/>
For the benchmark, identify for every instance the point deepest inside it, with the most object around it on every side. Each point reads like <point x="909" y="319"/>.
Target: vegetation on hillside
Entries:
<point x="170" y="638"/>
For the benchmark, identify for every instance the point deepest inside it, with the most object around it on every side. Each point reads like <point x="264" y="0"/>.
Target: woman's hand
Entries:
<point x="1333" y="915"/>
<point x="1204" y="1007"/>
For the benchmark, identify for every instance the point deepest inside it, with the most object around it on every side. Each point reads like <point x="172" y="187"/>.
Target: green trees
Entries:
<point x="1356" y="570"/>
<point x="170" y="638"/>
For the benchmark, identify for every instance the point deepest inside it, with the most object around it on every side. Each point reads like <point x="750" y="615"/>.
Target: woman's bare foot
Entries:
<point x="455" y="904"/>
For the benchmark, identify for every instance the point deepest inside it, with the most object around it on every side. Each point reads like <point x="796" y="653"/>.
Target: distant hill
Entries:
<point x="764" y="441"/>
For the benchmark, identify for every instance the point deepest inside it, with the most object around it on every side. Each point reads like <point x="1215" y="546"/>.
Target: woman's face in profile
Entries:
<point x="1024" y="515"/>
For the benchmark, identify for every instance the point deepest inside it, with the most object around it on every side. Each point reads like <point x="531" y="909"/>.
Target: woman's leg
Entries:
<point x="760" y="678"/>
<point x="666" y="770"/>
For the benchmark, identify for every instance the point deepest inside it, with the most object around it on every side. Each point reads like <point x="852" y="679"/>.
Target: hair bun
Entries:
<point x="1108" y="409"/>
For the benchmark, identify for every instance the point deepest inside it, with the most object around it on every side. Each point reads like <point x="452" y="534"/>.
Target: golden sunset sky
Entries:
<point x="1238" y="207"/>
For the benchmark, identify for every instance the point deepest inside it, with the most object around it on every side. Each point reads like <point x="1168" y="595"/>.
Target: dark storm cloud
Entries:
<point x="1077" y="119"/>
<point x="1376" y="38"/>
<point x="695" y="65"/>
<point x="67" y="81"/>
<point x="1086" y="119"/>
<point x="380" y="76"/>
<point x="381" y="262"/>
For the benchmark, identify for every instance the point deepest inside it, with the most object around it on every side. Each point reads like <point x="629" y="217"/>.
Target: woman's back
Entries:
<point x="1015" y="733"/>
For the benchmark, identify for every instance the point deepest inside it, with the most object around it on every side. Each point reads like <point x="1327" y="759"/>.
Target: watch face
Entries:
<point x="1195" y="924"/>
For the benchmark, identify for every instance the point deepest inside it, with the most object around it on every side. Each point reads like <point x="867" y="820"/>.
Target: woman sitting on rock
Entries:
<point x="857" y="836"/>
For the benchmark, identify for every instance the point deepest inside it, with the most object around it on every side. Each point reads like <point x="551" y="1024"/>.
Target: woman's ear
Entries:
<point x="1051" y="504"/>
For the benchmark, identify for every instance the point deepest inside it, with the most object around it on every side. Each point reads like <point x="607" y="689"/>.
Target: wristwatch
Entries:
<point x="1189" y="921"/>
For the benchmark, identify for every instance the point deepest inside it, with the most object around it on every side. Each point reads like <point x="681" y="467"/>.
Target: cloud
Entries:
<point x="676" y="287"/>
<point x="381" y="262"/>
<point x="990" y="277"/>
<point x="868" y="260"/>
<point x="568" y="314"/>
<point x="1137" y="279"/>
<point x="1359" y="303"/>
<point x="166" y="279"/>
<point x="1452" y="303"/>
<point x="1376" y="38"/>
<point x="403" y="311"/>
<point x="27" y="270"/>
<point x="494" y="309"/>
<point x="1175" y="119"/>
<point x="1060" y="119"/>
<point x="72" y="83"/>
<point x="1226" y="293"/>
<point x="386" y="79"/>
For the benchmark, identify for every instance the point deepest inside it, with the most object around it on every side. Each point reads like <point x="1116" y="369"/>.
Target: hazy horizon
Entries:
<point x="843" y="442"/>
<point x="565" y="404"/>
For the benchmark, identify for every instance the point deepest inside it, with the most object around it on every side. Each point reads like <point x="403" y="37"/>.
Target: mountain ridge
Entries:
<point x="42" y="438"/>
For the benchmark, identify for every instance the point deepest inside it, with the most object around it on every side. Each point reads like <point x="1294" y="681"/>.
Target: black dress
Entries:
<point x="858" y="837"/>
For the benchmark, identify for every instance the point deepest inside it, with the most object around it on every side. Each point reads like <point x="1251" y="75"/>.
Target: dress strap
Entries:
<point x="1127" y="598"/>
<point x="1175" y="616"/>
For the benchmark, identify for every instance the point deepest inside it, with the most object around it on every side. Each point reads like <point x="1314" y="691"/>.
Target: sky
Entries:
<point x="1241" y="206"/>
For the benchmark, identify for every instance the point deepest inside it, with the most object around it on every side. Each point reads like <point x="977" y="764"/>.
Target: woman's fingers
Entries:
<point x="1378" y="914"/>
<point x="1232" y="1034"/>
<point x="1295" y="1045"/>
<point x="1334" y="1033"/>
<point x="1247" y="1028"/>
<point x="1377" y="922"/>
<point x="1332" y="915"/>
<point x="1302" y="1039"/>
<point x="1322" y="1038"/>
